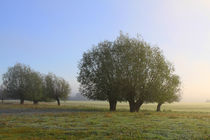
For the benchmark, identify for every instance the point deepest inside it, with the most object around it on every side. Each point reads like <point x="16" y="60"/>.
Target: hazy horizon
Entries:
<point x="52" y="35"/>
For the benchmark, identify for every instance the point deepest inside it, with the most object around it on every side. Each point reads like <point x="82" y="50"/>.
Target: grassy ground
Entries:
<point x="92" y="120"/>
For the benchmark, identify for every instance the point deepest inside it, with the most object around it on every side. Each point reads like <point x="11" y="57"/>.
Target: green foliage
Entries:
<point x="128" y="69"/>
<point x="15" y="81"/>
<point x="56" y="88"/>
<point x="99" y="75"/>
<point x="165" y="85"/>
<point x="21" y="82"/>
<point x="135" y="58"/>
<point x="35" y="87"/>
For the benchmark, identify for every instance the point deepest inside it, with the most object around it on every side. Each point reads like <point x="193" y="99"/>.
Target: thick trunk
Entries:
<point x="21" y="101"/>
<point x="58" y="101"/>
<point x="158" y="107"/>
<point x="132" y="106"/>
<point x="138" y="105"/>
<point x="135" y="106"/>
<point x="112" y="105"/>
<point x="2" y="100"/>
<point x="35" y="102"/>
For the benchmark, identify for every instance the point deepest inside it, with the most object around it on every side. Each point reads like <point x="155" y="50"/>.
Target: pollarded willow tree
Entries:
<point x="35" y="87"/>
<point x="21" y="82"/>
<point x="99" y="76"/>
<point x="56" y="88"/>
<point x="2" y="93"/>
<point x="168" y="91"/>
<point x="134" y="61"/>
<point x="146" y="75"/>
<point x="15" y="81"/>
<point x="165" y="85"/>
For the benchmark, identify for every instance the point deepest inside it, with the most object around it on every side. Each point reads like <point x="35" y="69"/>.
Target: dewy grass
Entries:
<point x="92" y="120"/>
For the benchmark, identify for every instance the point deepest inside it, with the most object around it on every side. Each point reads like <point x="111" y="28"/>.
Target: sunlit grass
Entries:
<point x="92" y="120"/>
<point x="102" y="105"/>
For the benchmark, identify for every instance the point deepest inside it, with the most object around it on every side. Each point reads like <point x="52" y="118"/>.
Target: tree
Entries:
<point x="56" y="88"/>
<point x="123" y="70"/>
<point x="99" y="75"/>
<point x="2" y="93"/>
<point x="169" y="91"/>
<point x="134" y="60"/>
<point x="15" y="81"/>
<point x="165" y="85"/>
<point x="35" y="87"/>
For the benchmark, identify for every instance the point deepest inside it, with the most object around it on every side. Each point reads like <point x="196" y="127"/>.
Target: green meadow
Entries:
<point x="92" y="120"/>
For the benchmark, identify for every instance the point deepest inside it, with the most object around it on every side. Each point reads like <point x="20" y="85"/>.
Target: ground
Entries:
<point x="92" y="120"/>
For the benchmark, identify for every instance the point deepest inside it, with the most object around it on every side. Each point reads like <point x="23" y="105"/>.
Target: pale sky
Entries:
<point x="51" y="35"/>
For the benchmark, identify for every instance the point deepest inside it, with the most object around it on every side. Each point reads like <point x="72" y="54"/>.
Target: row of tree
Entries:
<point x="128" y="69"/>
<point x="23" y="83"/>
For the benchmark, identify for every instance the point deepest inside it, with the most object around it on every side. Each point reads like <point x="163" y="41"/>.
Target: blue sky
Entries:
<point x="51" y="35"/>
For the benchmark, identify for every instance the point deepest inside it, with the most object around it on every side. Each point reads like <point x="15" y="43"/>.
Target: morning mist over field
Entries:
<point x="51" y="36"/>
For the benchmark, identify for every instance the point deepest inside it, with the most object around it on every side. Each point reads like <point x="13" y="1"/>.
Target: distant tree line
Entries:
<point x="23" y="83"/>
<point x="128" y="69"/>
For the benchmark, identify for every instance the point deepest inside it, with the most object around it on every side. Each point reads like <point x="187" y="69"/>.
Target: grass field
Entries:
<point x="92" y="120"/>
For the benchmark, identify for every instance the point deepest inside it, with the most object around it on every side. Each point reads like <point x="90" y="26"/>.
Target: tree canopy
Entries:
<point x="56" y="87"/>
<point x="127" y="69"/>
<point x="35" y="87"/>
<point x="98" y="74"/>
<point x="16" y="81"/>
<point x="22" y="82"/>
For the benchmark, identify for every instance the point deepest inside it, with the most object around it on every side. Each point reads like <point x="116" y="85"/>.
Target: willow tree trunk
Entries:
<point x="58" y="101"/>
<point x="158" y="107"/>
<point x="132" y="106"/>
<point x="35" y="102"/>
<point x="138" y="105"/>
<point x="21" y="101"/>
<point x="112" y="105"/>
<point x="135" y="106"/>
